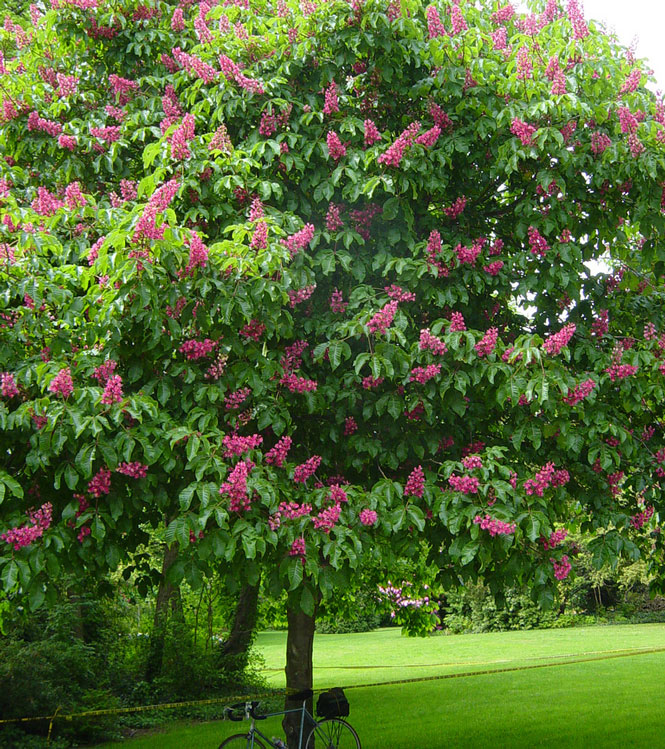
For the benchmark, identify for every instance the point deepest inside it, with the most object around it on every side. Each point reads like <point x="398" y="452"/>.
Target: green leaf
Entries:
<point x="9" y="575"/>
<point x="71" y="477"/>
<point x="185" y="497"/>
<point x="307" y="601"/>
<point x="295" y="573"/>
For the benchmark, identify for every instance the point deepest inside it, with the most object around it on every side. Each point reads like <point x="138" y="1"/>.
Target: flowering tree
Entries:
<point x="299" y="286"/>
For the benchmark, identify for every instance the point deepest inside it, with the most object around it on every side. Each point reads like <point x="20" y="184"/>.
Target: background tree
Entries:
<point x="296" y="288"/>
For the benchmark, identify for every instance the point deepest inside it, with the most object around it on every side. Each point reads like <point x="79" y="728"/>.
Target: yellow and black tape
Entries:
<point x="549" y="662"/>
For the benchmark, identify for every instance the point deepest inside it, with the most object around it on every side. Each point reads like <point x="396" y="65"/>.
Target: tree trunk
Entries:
<point x="299" y="645"/>
<point x="167" y="596"/>
<point x="237" y="644"/>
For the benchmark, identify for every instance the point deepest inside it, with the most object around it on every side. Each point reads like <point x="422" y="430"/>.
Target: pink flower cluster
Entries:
<point x="236" y="486"/>
<point x="415" y="484"/>
<point x="524" y="67"/>
<point x="395" y="152"/>
<point x="112" y="391"/>
<point x="194" y="349"/>
<point x="236" y="398"/>
<point x="546" y="477"/>
<point x="562" y="568"/>
<point x="576" y="18"/>
<point x="160" y="200"/>
<point x="233" y="73"/>
<point x="429" y="137"/>
<point x="192" y="64"/>
<point x="398" y="294"/>
<point x="494" y="526"/>
<point x="600" y="142"/>
<point x="300" y="239"/>
<point x="537" y="242"/>
<point x="104" y="371"/>
<point x="469" y="254"/>
<point x="331" y="103"/>
<point x="429" y="342"/>
<point x="288" y="511"/>
<point x="554" y="343"/>
<point x="298" y="548"/>
<point x="35" y="122"/>
<point x="100" y="483"/>
<point x="8" y="387"/>
<point x="601" y="323"/>
<point x="639" y="519"/>
<point x="45" y="203"/>
<point x="439" y="116"/>
<point x="259" y="239"/>
<point x="337" y="303"/>
<point x="382" y="320"/>
<point x="350" y="426"/>
<point x="435" y="27"/>
<point x="110" y="133"/>
<point x="368" y="517"/>
<point x="579" y="392"/>
<point x="333" y="219"/>
<point x="298" y="384"/>
<point x="296" y="296"/>
<point x="336" y="148"/>
<point x="523" y="131"/>
<point x="277" y="454"/>
<point x="337" y="494"/>
<point x="327" y="518"/>
<point x="198" y="253"/>
<point x="423" y="374"/>
<point x="457" y="322"/>
<point x="181" y="137"/>
<point x="620" y="371"/>
<point x="457" y="20"/>
<point x="372" y="135"/>
<point x="234" y="444"/>
<point x="471" y="462"/>
<point x="253" y="329"/>
<point x="632" y="81"/>
<point x="454" y="210"/>
<point x="556" y="537"/>
<point x="464" y="484"/>
<point x="62" y="383"/>
<point x="74" y="198"/>
<point x="627" y="120"/>
<point x="303" y="471"/>
<point x="486" y="344"/>
<point x="370" y="382"/>
<point x="493" y="268"/>
<point x="24" y="535"/>
<point x="134" y="470"/>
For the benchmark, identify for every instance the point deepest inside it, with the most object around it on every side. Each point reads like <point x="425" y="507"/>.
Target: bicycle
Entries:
<point x="329" y="733"/>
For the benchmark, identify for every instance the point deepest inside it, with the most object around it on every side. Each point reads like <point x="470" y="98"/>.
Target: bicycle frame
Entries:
<point x="253" y="730"/>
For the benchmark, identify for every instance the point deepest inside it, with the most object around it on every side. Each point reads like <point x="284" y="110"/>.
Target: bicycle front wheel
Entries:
<point x="333" y="733"/>
<point x="242" y="741"/>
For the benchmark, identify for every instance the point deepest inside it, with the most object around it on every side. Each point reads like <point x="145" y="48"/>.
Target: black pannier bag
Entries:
<point x="332" y="704"/>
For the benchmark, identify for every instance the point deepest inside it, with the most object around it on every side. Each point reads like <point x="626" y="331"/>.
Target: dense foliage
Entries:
<point x="295" y="287"/>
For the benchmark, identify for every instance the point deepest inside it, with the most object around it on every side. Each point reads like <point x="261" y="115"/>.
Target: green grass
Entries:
<point x="603" y="703"/>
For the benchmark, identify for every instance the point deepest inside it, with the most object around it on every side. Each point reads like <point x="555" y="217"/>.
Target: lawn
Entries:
<point x="615" y="702"/>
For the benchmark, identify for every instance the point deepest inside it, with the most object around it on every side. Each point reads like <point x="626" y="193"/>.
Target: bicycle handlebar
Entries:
<point x="248" y="709"/>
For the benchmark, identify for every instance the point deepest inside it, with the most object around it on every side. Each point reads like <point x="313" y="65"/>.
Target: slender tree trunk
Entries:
<point x="237" y="644"/>
<point x="299" y="645"/>
<point x="167" y="594"/>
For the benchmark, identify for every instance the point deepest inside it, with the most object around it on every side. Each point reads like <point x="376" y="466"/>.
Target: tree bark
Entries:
<point x="299" y="672"/>
<point x="237" y="644"/>
<point x="167" y="596"/>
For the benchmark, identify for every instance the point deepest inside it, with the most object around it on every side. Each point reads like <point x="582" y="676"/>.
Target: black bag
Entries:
<point x="332" y="704"/>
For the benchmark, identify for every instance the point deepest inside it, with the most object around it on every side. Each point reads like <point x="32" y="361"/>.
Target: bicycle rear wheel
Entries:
<point x="242" y="741"/>
<point x="333" y="733"/>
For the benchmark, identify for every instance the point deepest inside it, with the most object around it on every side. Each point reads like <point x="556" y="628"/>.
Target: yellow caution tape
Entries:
<point x="565" y="660"/>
